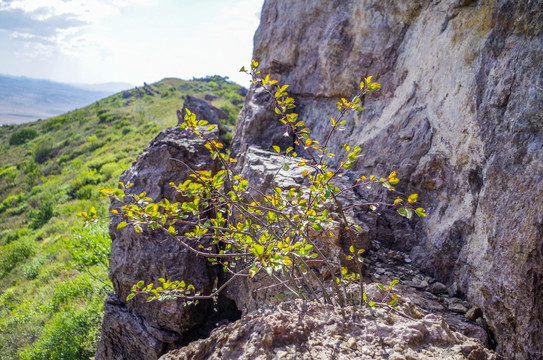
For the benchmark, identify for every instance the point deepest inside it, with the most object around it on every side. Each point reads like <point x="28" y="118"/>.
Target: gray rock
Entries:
<point x="438" y="288"/>
<point x="459" y="116"/>
<point x="202" y="109"/>
<point x="297" y="330"/>
<point x="458" y="308"/>
<point x="474" y="313"/>
<point x="140" y="330"/>
<point x="211" y="97"/>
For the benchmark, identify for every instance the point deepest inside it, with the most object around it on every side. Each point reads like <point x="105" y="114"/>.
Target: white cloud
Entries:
<point x="130" y="40"/>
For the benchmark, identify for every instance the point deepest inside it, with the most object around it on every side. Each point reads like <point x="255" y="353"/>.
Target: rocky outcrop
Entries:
<point x="459" y="116"/>
<point x="202" y="109"/>
<point x="297" y="330"/>
<point x="140" y="330"/>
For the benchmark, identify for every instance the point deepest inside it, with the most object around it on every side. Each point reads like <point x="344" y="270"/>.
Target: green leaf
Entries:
<point x="121" y="225"/>
<point x="286" y="166"/>
<point x="421" y="212"/>
<point x="257" y="249"/>
<point x="171" y="230"/>
<point x="402" y="211"/>
<point x="130" y="296"/>
<point x="276" y="148"/>
<point x="351" y="249"/>
<point x="413" y="198"/>
<point x="394" y="282"/>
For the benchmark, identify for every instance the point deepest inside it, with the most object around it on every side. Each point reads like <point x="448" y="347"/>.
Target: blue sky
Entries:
<point x="95" y="41"/>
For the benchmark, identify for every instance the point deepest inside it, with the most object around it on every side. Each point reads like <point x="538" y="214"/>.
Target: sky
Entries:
<point x="132" y="41"/>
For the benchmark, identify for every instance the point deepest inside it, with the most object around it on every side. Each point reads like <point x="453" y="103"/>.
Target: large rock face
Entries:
<point x="459" y="115"/>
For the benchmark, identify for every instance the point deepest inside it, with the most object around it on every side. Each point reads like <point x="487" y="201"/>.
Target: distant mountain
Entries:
<point x="24" y="99"/>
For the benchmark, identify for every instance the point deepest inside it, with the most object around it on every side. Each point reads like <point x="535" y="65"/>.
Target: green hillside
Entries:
<point x="53" y="272"/>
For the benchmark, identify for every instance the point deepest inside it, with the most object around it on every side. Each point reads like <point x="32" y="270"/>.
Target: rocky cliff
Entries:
<point x="460" y="117"/>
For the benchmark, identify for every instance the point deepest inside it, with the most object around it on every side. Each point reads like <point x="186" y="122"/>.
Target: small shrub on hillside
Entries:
<point x="86" y="192"/>
<point x="11" y="201"/>
<point x="31" y="269"/>
<point x="8" y="236"/>
<point x="71" y="334"/>
<point x="8" y="176"/>
<point x="22" y="136"/>
<point x="18" y="210"/>
<point x="42" y="216"/>
<point x="42" y="153"/>
<point x="55" y="123"/>
<point x="85" y="177"/>
<point x="67" y="291"/>
<point x="90" y="247"/>
<point x="110" y="170"/>
<point x="15" y="252"/>
<point x="32" y="171"/>
<point x="63" y="159"/>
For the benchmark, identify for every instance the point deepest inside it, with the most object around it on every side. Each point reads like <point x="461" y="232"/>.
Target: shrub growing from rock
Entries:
<point x="282" y="233"/>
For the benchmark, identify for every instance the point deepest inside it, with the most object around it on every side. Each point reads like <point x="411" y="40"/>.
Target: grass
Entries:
<point x="53" y="273"/>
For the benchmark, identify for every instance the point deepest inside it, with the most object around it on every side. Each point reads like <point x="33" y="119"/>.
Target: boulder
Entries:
<point x="140" y="330"/>
<point x="202" y="109"/>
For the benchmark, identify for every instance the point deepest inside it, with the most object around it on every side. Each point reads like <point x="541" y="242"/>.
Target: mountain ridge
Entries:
<point x="24" y="99"/>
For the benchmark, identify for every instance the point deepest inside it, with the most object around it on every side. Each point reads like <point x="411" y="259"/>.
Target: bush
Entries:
<point x="90" y="246"/>
<point x="41" y="153"/>
<point x="43" y="216"/>
<point x="8" y="176"/>
<point x="110" y="170"/>
<point x="67" y="291"/>
<point x="15" y="252"/>
<point x="22" y="136"/>
<point x="279" y="233"/>
<point x="71" y="334"/>
<point x="32" y="171"/>
<point x="85" y="177"/>
<point x="8" y="236"/>
<point x="86" y="192"/>
<point x="11" y="201"/>
<point x="31" y="269"/>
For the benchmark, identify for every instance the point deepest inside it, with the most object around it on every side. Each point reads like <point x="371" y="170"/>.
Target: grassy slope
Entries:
<point x="50" y="306"/>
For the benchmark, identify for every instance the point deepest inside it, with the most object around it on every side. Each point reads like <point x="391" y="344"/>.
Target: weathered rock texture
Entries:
<point x="140" y="330"/>
<point x="460" y="116"/>
<point x="202" y="109"/>
<point x="295" y="330"/>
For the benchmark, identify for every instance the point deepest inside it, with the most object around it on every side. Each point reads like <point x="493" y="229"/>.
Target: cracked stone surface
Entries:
<point x="298" y="330"/>
<point x="459" y="116"/>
